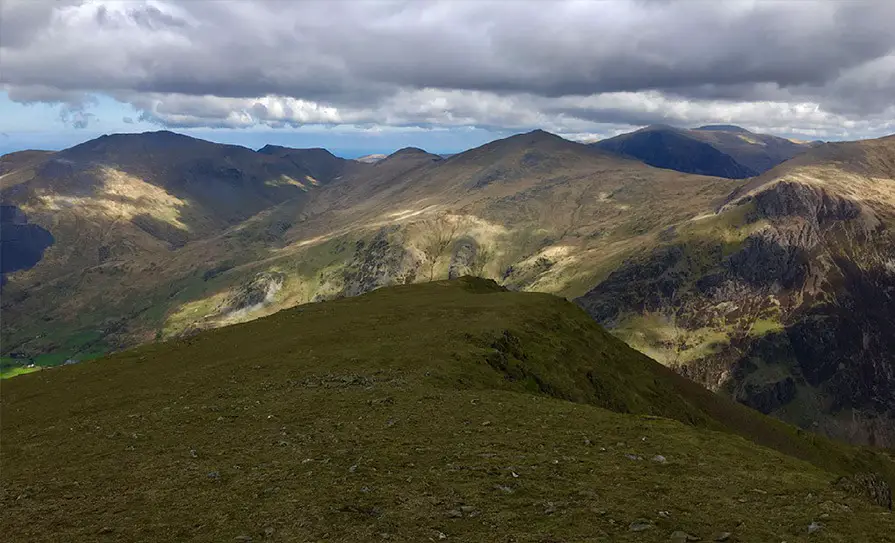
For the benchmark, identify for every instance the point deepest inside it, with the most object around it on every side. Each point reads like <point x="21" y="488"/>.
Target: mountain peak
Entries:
<point x="130" y="141"/>
<point x="152" y="135"/>
<point x="723" y="128"/>
<point x="270" y="149"/>
<point x="675" y="149"/>
<point x="533" y="137"/>
<point x="280" y="150"/>
<point x="409" y="151"/>
<point x="539" y="134"/>
<point x="658" y="127"/>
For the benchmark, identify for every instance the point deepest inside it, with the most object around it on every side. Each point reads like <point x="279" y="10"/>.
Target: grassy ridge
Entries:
<point x="416" y="412"/>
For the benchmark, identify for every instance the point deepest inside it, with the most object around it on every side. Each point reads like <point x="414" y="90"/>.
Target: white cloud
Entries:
<point x="801" y="66"/>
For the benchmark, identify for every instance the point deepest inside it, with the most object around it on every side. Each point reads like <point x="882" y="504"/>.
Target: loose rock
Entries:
<point x="871" y="485"/>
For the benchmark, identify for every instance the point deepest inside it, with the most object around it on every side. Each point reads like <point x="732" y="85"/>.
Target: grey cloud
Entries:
<point x="22" y="20"/>
<point x="596" y="47"/>
<point x="127" y="120"/>
<point x="203" y="63"/>
<point x="75" y="116"/>
<point x="30" y="94"/>
<point x="147" y="17"/>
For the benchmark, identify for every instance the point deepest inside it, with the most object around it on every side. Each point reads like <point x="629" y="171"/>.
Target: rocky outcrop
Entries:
<point x="463" y="258"/>
<point x="382" y="261"/>
<point x="768" y="397"/>
<point x="637" y="285"/>
<point x="254" y="294"/>
<point x="817" y="274"/>
<point x="870" y="485"/>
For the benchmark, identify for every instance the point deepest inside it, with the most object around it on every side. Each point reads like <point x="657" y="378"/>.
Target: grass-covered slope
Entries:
<point x="414" y="413"/>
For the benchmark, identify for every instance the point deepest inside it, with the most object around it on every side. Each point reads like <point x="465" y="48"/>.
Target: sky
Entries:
<point x="363" y="77"/>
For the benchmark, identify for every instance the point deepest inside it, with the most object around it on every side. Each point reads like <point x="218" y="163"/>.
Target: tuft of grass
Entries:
<point x="765" y="326"/>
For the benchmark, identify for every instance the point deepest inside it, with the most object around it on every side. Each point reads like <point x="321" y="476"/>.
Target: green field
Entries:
<point x="80" y="346"/>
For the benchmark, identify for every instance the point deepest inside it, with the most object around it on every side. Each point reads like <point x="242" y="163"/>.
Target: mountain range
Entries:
<point x="774" y="290"/>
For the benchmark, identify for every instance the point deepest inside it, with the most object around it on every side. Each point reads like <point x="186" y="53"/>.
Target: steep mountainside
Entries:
<point x="721" y="150"/>
<point x="20" y="159"/>
<point x="674" y="149"/>
<point x="785" y="298"/>
<point x="89" y="228"/>
<point x="319" y="163"/>
<point x="451" y="410"/>
<point x="758" y="152"/>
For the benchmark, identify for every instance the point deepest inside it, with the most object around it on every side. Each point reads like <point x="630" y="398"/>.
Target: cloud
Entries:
<point x="75" y="116"/>
<point x="127" y="120"/>
<point x="575" y="67"/>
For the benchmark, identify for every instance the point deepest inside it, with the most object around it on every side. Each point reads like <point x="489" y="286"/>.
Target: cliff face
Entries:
<point x="784" y="299"/>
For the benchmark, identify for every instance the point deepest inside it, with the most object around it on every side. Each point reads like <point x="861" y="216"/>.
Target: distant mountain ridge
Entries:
<point x="721" y="150"/>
